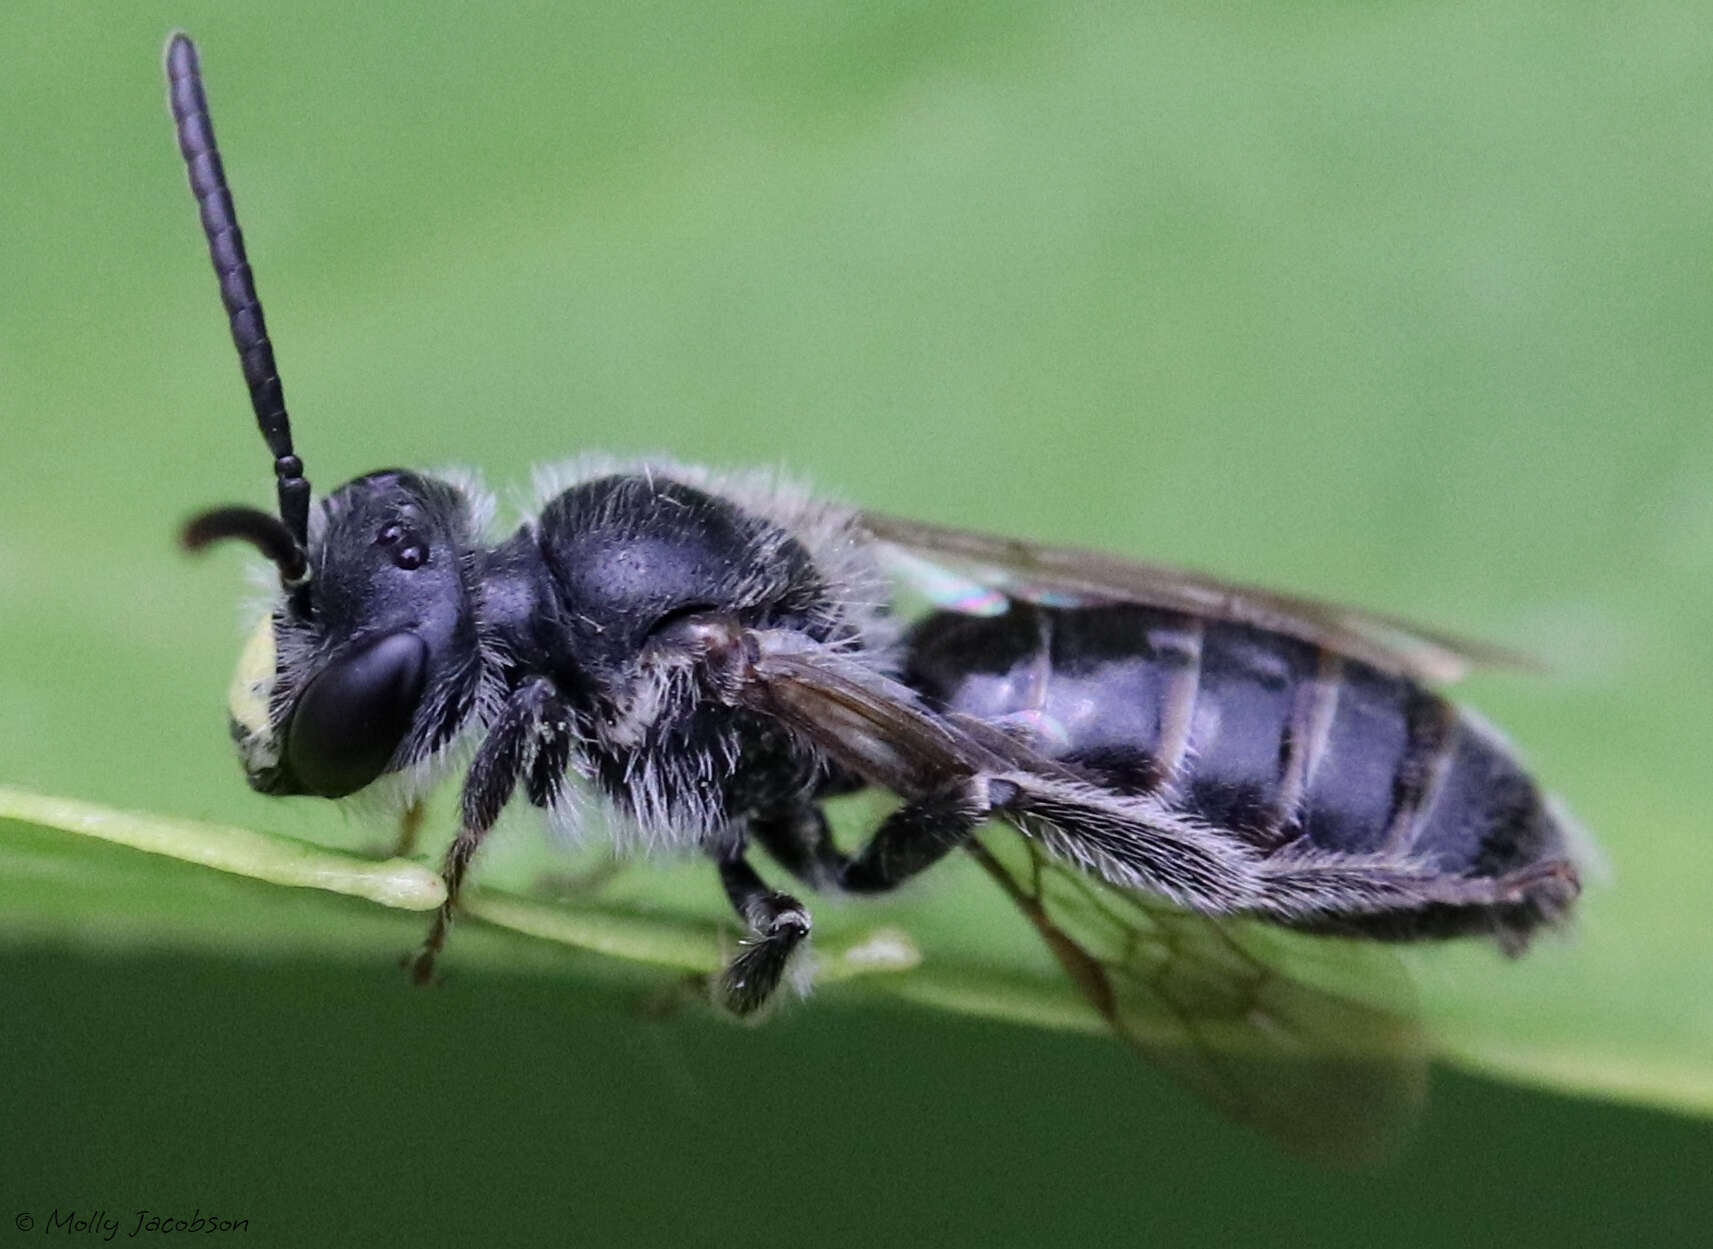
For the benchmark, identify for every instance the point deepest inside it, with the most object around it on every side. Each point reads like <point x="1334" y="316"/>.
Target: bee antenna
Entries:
<point x="248" y="524"/>
<point x="237" y="284"/>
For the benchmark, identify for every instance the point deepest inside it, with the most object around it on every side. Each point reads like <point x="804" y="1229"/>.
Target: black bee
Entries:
<point x="1194" y="767"/>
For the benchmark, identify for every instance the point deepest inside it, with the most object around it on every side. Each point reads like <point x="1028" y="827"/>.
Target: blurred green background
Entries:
<point x="1403" y="304"/>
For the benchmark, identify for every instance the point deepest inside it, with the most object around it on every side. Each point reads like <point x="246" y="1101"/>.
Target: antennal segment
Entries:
<point x="256" y="527"/>
<point x="237" y="284"/>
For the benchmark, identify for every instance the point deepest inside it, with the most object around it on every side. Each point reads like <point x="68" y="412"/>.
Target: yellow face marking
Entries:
<point x="253" y="683"/>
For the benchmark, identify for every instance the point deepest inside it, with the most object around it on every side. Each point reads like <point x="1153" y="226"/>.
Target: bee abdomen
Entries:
<point x="1366" y="763"/>
<point x="1402" y="772"/>
<point x="1273" y="739"/>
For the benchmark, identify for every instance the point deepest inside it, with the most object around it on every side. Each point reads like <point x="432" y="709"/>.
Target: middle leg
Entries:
<point x="779" y="924"/>
<point x="912" y="838"/>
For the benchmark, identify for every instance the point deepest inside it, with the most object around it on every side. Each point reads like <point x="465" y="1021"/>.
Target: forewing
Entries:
<point x="865" y="720"/>
<point x="1311" y="1040"/>
<point x="975" y="573"/>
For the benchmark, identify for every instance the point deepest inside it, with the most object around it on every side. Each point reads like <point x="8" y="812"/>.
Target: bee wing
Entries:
<point x="1311" y="1040"/>
<point x="975" y="573"/>
<point x="864" y="719"/>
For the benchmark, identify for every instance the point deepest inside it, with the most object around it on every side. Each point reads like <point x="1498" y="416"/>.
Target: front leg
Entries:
<point x="532" y="715"/>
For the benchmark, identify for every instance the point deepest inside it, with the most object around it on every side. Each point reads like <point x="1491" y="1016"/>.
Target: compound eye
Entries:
<point x="351" y="718"/>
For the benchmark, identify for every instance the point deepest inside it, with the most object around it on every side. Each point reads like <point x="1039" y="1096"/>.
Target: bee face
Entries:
<point x="247" y="701"/>
<point x="373" y="666"/>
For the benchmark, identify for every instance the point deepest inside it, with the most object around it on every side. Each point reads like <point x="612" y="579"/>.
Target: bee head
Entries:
<point x="372" y="662"/>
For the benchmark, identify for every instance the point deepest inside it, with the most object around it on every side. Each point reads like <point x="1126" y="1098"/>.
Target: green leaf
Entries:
<point x="395" y="882"/>
<point x="59" y="880"/>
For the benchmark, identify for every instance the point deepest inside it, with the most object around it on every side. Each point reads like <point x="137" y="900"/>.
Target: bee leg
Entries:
<point x="410" y="824"/>
<point x="1299" y="889"/>
<point x="779" y="924"/>
<point x="922" y="832"/>
<point x="1136" y="847"/>
<point x="532" y="714"/>
<point x="799" y="840"/>
<point x="911" y="839"/>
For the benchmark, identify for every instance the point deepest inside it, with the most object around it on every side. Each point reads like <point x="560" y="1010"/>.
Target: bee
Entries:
<point x="1223" y="803"/>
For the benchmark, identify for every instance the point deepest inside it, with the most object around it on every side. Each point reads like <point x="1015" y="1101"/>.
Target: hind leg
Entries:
<point x="1315" y="887"/>
<point x="1390" y="901"/>
<point x="909" y="841"/>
